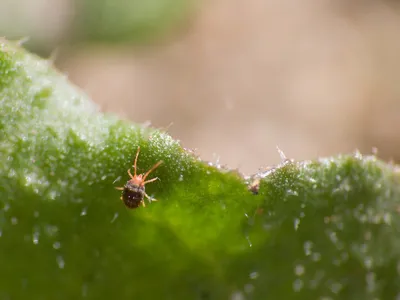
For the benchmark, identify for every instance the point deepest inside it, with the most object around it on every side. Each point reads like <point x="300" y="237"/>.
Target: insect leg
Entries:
<point x="151" y="180"/>
<point x="152" y="169"/>
<point x="150" y="198"/>
<point x="119" y="188"/>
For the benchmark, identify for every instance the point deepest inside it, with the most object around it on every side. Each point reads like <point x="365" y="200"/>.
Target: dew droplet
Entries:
<point x="52" y="195"/>
<point x="238" y="295"/>
<point x="296" y="223"/>
<point x="336" y="287"/>
<point x="387" y="218"/>
<point x="253" y="275"/>
<point x="60" y="262"/>
<point x="180" y="177"/>
<point x="298" y="285"/>
<point x="51" y="230"/>
<point x="14" y="221"/>
<point x="56" y="245"/>
<point x="290" y="192"/>
<point x="84" y="211"/>
<point x="308" y="248"/>
<point x="368" y="262"/>
<point x="316" y="256"/>
<point x="333" y="237"/>
<point x="299" y="270"/>
<point x="35" y="237"/>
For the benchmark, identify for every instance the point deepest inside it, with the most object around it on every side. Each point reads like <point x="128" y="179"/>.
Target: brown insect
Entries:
<point x="134" y="192"/>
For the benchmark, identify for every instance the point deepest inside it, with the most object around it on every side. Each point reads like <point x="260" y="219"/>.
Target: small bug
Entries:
<point x="133" y="192"/>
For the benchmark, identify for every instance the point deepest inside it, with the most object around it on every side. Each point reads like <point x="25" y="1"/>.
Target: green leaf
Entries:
<point x="327" y="229"/>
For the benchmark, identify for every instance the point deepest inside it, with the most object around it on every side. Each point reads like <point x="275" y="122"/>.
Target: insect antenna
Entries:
<point x="136" y="158"/>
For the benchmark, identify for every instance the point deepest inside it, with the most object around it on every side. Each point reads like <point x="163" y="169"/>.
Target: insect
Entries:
<point x="134" y="192"/>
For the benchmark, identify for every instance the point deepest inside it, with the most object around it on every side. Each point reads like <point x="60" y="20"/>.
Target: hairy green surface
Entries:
<point x="327" y="229"/>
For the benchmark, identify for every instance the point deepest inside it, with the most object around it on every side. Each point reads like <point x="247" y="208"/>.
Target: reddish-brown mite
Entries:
<point x="134" y="192"/>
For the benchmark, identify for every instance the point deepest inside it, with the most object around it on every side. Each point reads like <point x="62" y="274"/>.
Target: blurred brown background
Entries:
<point x="236" y="78"/>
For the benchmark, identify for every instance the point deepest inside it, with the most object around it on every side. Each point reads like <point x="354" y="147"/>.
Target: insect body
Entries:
<point x="134" y="192"/>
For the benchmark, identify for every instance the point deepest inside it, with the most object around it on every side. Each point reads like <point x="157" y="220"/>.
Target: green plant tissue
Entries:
<point x="325" y="229"/>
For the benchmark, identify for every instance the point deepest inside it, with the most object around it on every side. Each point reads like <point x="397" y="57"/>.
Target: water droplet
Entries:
<point x="299" y="270"/>
<point x="52" y="195"/>
<point x="103" y="177"/>
<point x="51" y="230"/>
<point x="336" y="287"/>
<point x="12" y="173"/>
<point x="368" y="262"/>
<point x="35" y="237"/>
<point x="298" y="285"/>
<point x="296" y="223"/>
<point x="253" y="275"/>
<point x="316" y="256"/>
<point x="308" y="248"/>
<point x="84" y="211"/>
<point x="290" y="192"/>
<point x="57" y="245"/>
<point x="60" y="262"/>
<point x="6" y="207"/>
<point x="237" y="296"/>
<point x="387" y="218"/>
<point x="14" y="221"/>
<point x="333" y="237"/>
<point x="180" y="177"/>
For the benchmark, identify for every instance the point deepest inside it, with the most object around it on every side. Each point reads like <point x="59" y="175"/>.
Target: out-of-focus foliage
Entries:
<point x="327" y="229"/>
<point x="134" y="20"/>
